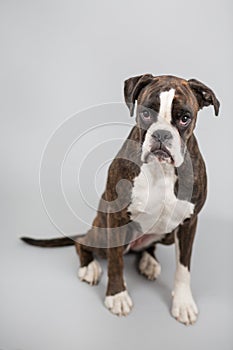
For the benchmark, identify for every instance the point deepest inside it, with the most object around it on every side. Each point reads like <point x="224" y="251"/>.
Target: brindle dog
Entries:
<point x="163" y="191"/>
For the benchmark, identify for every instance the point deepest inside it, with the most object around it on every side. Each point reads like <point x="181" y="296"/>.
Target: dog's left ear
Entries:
<point x="133" y="87"/>
<point x="205" y="96"/>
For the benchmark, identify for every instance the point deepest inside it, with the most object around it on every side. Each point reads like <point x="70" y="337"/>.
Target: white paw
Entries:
<point x="184" y="308"/>
<point x="90" y="273"/>
<point x="119" y="304"/>
<point x="149" y="267"/>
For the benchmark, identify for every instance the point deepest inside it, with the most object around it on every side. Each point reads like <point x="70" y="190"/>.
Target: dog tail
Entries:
<point x="52" y="242"/>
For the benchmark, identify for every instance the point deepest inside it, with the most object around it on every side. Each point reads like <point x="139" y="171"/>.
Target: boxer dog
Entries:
<point x="155" y="189"/>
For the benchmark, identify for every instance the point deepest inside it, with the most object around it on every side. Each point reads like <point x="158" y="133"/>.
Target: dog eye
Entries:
<point x="184" y="120"/>
<point x="145" y="115"/>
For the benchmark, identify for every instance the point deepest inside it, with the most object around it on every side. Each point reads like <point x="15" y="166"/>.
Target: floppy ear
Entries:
<point x="205" y="96"/>
<point x="133" y="87"/>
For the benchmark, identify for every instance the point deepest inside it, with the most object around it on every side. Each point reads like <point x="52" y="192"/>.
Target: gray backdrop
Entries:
<point x="61" y="57"/>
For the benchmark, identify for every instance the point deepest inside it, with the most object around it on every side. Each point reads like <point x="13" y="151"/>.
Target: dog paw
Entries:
<point x="149" y="267"/>
<point x="90" y="273"/>
<point x="184" y="308"/>
<point x="119" y="304"/>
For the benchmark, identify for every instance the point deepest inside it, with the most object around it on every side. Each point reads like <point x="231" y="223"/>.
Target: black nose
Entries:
<point x="162" y="135"/>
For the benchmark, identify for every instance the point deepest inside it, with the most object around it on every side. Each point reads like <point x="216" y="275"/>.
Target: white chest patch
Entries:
<point x="153" y="203"/>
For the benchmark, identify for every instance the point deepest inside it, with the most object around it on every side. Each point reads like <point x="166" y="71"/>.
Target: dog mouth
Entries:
<point x="162" y="154"/>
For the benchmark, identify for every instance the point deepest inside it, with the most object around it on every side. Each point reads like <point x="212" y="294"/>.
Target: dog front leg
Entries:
<point x="117" y="298"/>
<point x="184" y="308"/>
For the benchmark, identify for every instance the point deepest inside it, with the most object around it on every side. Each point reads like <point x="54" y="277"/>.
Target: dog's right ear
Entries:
<point x="133" y="87"/>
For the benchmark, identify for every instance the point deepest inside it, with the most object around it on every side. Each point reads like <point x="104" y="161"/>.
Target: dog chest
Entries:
<point x="154" y="205"/>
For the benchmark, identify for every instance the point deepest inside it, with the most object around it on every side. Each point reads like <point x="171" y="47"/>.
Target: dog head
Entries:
<point x="167" y="109"/>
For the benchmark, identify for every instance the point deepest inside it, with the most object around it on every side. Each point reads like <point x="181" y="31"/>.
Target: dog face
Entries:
<point x="166" y="114"/>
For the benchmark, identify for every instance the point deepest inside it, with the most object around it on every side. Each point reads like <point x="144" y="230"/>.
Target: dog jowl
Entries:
<point x="165" y="190"/>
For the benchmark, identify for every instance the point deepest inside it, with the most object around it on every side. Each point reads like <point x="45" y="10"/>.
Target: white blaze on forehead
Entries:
<point x="166" y="99"/>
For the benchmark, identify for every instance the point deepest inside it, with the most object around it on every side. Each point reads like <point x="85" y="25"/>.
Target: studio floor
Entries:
<point x="44" y="305"/>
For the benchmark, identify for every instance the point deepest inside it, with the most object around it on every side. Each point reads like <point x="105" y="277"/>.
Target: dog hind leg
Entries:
<point x="90" y="269"/>
<point x="148" y="263"/>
